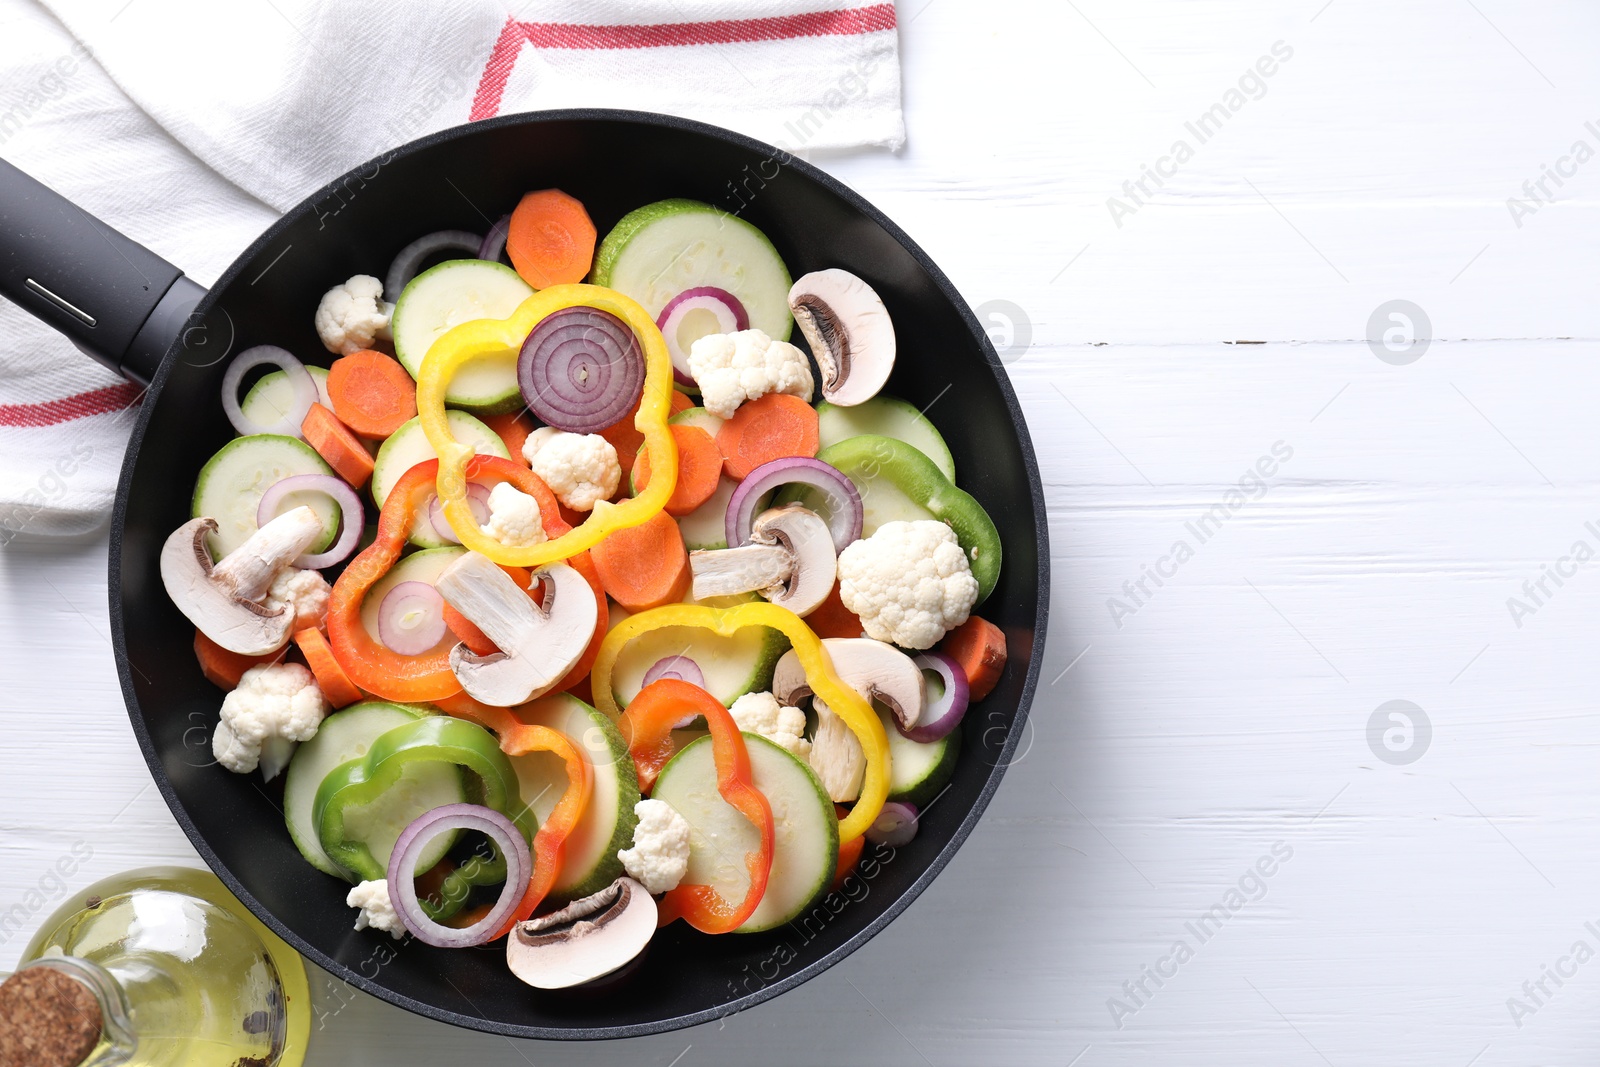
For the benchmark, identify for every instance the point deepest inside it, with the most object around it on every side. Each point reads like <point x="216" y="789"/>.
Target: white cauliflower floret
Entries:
<point x="303" y="592"/>
<point x="731" y="368"/>
<point x="909" y="582"/>
<point x="579" y="468"/>
<point x="659" y="857"/>
<point x="351" y="316"/>
<point x="377" y="910"/>
<point x="760" y="713"/>
<point x="274" y="700"/>
<point x="514" y="518"/>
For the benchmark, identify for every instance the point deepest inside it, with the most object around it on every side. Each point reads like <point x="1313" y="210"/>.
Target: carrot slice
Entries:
<point x="699" y="469"/>
<point x="371" y="393"/>
<point x="336" y="686"/>
<point x="980" y="647"/>
<point x="551" y="240"/>
<point x="767" y="428"/>
<point x="223" y="668"/>
<point x="335" y="443"/>
<point x="513" y="429"/>
<point x="644" y="566"/>
<point x="849" y="854"/>
<point x="832" y="619"/>
<point x="627" y="440"/>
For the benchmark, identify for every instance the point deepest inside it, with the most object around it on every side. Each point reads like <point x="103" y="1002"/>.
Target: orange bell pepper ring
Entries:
<point x="647" y="727"/>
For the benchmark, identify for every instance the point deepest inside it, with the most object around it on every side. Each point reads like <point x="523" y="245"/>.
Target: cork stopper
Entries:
<point x="46" y="1020"/>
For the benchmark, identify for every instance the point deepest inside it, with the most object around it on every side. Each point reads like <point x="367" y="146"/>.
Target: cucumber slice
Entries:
<point x="423" y="566"/>
<point x="347" y="735"/>
<point x="882" y="502"/>
<point x="806" y="851"/>
<point x="457" y="291"/>
<point x="590" y="863"/>
<point x="231" y="483"/>
<point x="733" y="666"/>
<point x="269" y="399"/>
<point x="886" y="416"/>
<point x="918" y="771"/>
<point x="659" y="250"/>
<point x="408" y="446"/>
<point x="698" y="417"/>
<point x="707" y="525"/>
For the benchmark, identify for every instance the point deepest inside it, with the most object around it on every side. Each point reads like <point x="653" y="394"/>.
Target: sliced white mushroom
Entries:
<point x="539" y="640"/>
<point x="849" y="331"/>
<point x="790" y="560"/>
<point x="879" y="672"/>
<point x="224" y="601"/>
<point x="588" y="939"/>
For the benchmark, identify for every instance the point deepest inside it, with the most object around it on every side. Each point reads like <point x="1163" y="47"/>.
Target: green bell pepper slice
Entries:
<point x="897" y="481"/>
<point x="434" y="738"/>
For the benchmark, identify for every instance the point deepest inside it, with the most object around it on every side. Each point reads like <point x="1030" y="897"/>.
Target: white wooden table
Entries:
<point x="1219" y="719"/>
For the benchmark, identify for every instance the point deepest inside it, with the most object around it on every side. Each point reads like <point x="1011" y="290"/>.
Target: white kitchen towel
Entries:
<point x="188" y="124"/>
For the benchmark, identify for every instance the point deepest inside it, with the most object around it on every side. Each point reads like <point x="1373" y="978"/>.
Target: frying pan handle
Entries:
<point x="119" y="302"/>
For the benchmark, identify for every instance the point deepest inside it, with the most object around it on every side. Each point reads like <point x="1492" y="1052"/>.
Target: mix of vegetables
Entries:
<point x="604" y="657"/>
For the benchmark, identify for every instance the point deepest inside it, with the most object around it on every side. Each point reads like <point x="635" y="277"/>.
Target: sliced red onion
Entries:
<point x="581" y="369"/>
<point x="405" y="264"/>
<point x="682" y="668"/>
<point x="352" y="516"/>
<point x="411" y="618"/>
<point x="305" y="390"/>
<point x="895" y="825"/>
<point x="943" y="713"/>
<point x="844" y="502"/>
<point x="729" y="313"/>
<point x="414" y="839"/>
<point x="477" y="500"/>
<point x="494" y="242"/>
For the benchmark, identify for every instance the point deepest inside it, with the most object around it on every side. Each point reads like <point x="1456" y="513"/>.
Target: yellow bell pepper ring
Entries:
<point x="848" y="704"/>
<point x="501" y="339"/>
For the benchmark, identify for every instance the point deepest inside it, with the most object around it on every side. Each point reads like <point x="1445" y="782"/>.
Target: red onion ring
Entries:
<point x="581" y="369"/>
<point x="411" y="639"/>
<point x="895" y="825"/>
<point x="305" y="390"/>
<point x="845" y="514"/>
<point x="352" y="515"/>
<point x="477" y="500"/>
<point x="730" y="315"/>
<point x="494" y="242"/>
<point x="448" y="819"/>
<point x="406" y="262"/>
<point x="682" y="668"/>
<point x="942" y="715"/>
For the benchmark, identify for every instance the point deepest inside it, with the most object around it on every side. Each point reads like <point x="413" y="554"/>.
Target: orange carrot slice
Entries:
<point x="223" y="668"/>
<point x="832" y="619"/>
<point x="627" y="440"/>
<point x="770" y="427"/>
<point x="336" y="686"/>
<point x="980" y="647"/>
<point x="513" y="429"/>
<point x="334" y="442"/>
<point x="699" y="469"/>
<point x="371" y="393"/>
<point x="644" y="566"/>
<point x="551" y="240"/>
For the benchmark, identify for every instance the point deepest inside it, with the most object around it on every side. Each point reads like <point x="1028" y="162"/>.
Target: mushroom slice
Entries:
<point x="877" y="671"/>
<point x="539" y="640"/>
<point x="223" y="601"/>
<point x="588" y="939"/>
<point x="790" y="560"/>
<point x="849" y="331"/>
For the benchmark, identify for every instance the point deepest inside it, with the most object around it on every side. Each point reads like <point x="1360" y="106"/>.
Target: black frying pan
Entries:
<point x="139" y="315"/>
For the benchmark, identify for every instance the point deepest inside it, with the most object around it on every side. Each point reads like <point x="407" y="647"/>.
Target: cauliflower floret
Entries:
<point x="659" y="857"/>
<point x="274" y="700"/>
<point x="303" y="592"/>
<point x="513" y="517"/>
<point x="909" y="582"/>
<point x="731" y="368"/>
<point x="351" y="316"/>
<point x="579" y="468"/>
<point x="760" y="713"/>
<point x="377" y="910"/>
